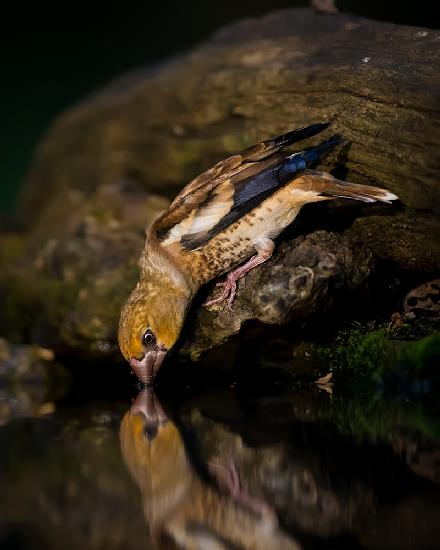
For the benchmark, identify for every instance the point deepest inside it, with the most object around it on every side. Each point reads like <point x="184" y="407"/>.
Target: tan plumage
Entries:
<point x="220" y="219"/>
<point x="179" y="505"/>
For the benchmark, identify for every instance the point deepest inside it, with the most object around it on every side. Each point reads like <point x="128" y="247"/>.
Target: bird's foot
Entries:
<point x="228" y="293"/>
<point x="228" y="478"/>
<point x="264" y="248"/>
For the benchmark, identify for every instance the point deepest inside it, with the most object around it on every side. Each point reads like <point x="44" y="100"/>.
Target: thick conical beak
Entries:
<point x="147" y="404"/>
<point x="146" y="367"/>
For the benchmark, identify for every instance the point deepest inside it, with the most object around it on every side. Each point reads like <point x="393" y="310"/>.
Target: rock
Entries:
<point x="305" y="276"/>
<point x="108" y="166"/>
<point x="24" y="364"/>
<point x="424" y="299"/>
<point x="29" y="380"/>
<point x="252" y="80"/>
<point x="67" y="290"/>
<point x="408" y="238"/>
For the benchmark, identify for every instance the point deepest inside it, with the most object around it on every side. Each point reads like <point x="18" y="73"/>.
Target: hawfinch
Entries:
<point x="186" y="509"/>
<point x="223" y="221"/>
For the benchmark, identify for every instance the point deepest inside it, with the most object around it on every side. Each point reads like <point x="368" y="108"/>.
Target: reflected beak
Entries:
<point x="147" y="366"/>
<point x="147" y="404"/>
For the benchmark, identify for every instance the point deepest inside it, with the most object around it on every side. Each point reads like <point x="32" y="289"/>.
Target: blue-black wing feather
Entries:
<point x="252" y="190"/>
<point x="253" y="175"/>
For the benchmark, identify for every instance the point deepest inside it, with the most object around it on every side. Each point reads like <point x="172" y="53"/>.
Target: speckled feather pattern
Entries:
<point x="218" y="221"/>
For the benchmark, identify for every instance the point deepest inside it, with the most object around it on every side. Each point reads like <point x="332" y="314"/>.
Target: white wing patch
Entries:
<point x="304" y="196"/>
<point x="205" y="217"/>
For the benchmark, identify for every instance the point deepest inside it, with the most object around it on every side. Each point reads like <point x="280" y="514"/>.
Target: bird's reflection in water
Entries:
<point x="186" y="506"/>
<point x="259" y="477"/>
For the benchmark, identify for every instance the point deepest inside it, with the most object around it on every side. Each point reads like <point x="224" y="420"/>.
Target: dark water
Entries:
<point x="219" y="468"/>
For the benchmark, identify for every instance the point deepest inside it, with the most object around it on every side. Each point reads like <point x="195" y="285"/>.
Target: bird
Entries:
<point x="180" y="504"/>
<point x="223" y="222"/>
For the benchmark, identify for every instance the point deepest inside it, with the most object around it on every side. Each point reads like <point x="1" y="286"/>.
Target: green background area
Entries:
<point x="53" y="55"/>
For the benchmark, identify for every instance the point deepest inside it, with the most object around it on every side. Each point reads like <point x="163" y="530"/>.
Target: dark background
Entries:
<point x="52" y="55"/>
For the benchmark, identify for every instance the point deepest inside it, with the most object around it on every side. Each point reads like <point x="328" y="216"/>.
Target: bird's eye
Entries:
<point x="148" y="338"/>
<point x="150" y="432"/>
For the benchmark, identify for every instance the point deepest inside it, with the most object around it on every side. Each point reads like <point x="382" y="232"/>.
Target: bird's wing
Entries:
<point x="226" y="192"/>
<point x="255" y="153"/>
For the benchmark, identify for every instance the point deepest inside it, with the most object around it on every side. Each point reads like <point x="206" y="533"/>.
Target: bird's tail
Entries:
<point x="326" y="185"/>
<point x="358" y="192"/>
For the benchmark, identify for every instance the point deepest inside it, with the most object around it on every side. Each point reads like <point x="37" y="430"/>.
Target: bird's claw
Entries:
<point x="228" y="478"/>
<point x="229" y="291"/>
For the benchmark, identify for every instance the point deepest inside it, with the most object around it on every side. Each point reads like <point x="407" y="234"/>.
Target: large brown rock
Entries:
<point x="110" y="164"/>
<point x="305" y="276"/>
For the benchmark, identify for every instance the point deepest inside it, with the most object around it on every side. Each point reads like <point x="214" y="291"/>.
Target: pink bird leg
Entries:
<point x="264" y="248"/>
<point x="228" y="477"/>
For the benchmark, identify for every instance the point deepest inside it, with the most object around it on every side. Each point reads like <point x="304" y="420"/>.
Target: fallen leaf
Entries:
<point x="326" y="387"/>
<point x="324" y="379"/>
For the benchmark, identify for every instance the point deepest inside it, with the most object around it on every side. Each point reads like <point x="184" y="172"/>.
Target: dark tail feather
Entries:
<point x="300" y="134"/>
<point x="315" y="153"/>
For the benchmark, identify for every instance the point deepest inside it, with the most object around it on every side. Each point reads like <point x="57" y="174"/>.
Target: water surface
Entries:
<point x="220" y="468"/>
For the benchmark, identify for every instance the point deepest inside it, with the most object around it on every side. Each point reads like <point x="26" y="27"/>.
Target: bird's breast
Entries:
<point x="236" y="243"/>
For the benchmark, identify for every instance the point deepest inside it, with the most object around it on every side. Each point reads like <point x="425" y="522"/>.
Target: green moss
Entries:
<point x="377" y="417"/>
<point x="423" y="354"/>
<point x="356" y="352"/>
<point x="377" y="356"/>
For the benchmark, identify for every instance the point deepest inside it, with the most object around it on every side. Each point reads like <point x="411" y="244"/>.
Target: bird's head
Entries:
<point x="155" y="454"/>
<point x="150" y="324"/>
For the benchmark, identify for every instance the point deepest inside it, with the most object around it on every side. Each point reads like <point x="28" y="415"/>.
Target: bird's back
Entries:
<point x="215" y="222"/>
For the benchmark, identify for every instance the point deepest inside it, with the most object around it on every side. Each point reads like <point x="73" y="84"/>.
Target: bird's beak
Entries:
<point x="147" y="366"/>
<point x="147" y="404"/>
